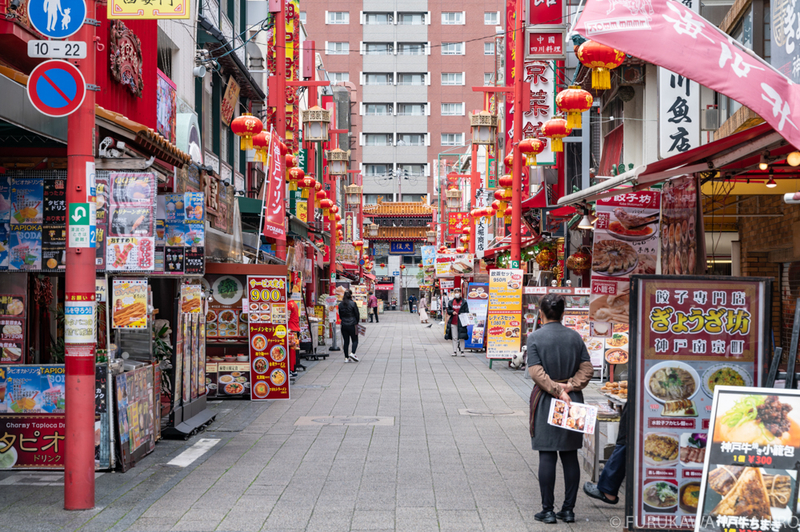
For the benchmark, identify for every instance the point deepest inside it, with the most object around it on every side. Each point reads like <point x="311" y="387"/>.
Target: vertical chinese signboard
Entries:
<point x="625" y="243"/>
<point x="750" y="478"/>
<point x="504" y="324"/>
<point x="785" y="49"/>
<point x="690" y="335"/>
<point x="268" y="319"/>
<point x="682" y="228"/>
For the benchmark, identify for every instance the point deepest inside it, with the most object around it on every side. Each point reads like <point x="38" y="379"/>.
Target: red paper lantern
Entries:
<point x="358" y="244"/>
<point x="574" y="101"/>
<point x="601" y="59"/>
<point x="475" y="213"/>
<point x="499" y="194"/>
<point x="530" y="148"/>
<point x="261" y="145"/>
<point x="402" y="266"/>
<point x="291" y="160"/>
<point x="556" y="129"/>
<point x="506" y="181"/>
<point x="338" y="217"/>
<point x="326" y="204"/>
<point x="508" y="215"/>
<point x="509" y="161"/>
<point x="295" y="176"/>
<point x="335" y="209"/>
<point x="246" y="126"/>
<point x="306" y="184"/>
<point x="383" y="265"/>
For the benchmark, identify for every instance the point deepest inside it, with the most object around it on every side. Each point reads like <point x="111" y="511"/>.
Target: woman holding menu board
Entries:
<point x="560" y="367"/>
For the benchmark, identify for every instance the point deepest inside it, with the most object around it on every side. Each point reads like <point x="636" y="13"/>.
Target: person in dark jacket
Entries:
<point x="348" y="313"/>
<point x="560" y="367"/>
<point x="607" y="489"/>
<point x="454" y="330"/>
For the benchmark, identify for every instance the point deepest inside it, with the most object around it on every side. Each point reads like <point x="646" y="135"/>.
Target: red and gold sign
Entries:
<point x="125" y="57"/>
<point x="456" y="222"/>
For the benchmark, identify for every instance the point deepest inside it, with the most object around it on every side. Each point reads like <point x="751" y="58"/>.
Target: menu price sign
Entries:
<point x="688" y="335"/>
<point x="130" y="245"/>
<point x="478" y="302"/>
<point x="504" y="330"/>
<point x="452" y="264"/>
<point x="268" y="337"/>
<point x="750" y="475"/>
<point x="129" y="304"/>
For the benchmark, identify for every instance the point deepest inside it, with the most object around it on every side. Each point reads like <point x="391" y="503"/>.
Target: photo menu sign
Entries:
<point x="504" y="323"/>
<point x="268" y="336"/>
<point x="690" y="334"/>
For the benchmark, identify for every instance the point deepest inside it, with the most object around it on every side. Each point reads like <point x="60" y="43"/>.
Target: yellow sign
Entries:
<point x="147" y="9"/>
<point x="302" y="211"/>
<point x="129" y="305"/>
<point x="505" y="291"/>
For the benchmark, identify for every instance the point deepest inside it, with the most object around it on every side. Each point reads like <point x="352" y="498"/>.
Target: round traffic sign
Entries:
<point x="56" y="88"/>
<point x="57" y="19"/>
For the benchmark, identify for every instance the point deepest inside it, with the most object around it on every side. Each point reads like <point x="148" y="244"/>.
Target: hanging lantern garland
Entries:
<point x="246" y="127"/>
<point x="602" y="60"/>
<point x="574" y="102"/>
<point x="556" y="129"/>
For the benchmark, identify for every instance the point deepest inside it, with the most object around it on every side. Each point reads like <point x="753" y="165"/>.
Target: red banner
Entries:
<point x="699" y="51"/>
<point x="456" y="222"/>
<point x="275" y="215"/>
<point x="269" y="350"/>
<point x="546" y="13"/>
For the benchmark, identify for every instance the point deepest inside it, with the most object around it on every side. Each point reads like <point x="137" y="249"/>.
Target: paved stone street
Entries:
<point x="408" y="439"/>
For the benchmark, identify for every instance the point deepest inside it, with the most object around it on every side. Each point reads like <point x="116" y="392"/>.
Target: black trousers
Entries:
<point x="349" y="333"/>
<point x="374" y="312"/>
<point x="547" y="478"/>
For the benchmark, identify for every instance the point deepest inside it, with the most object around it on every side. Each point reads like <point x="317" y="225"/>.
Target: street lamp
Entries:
<point x="338" y="161"/>
<point x="453" y="199"/>
<point x="353" y="195"/>
<point x="373" y="229"/>
<point x="484" y="128"/>
<point x="315" y="124"/>
<point x="431" y="236"/>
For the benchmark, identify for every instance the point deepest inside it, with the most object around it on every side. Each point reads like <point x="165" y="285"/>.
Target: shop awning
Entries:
<point x="369" y="276"/>
<point x="730" y="153"/>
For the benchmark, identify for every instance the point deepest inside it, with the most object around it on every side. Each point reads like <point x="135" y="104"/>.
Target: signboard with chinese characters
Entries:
<point x="275" y="188"/>
<point x="750" y="474"/>
<point x="541" y="77"/>
<point x="147" y="9"/>
<point x="401" y="248"/>
<point x="504" y="322"/>
<point x="456" y="222"/>
<point x="625" y="243"/>
<point x="785" y="48"/>
<point x="449" y="265"/>
<point x="689" y="335"/>
<point x="268" y="336"/>
<point x="544" y="45"/>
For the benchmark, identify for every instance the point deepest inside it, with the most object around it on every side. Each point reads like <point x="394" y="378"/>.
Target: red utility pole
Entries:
<point x="474" y="185"/>
<point x="516" y="189"/>
<point x="80" y="287"/>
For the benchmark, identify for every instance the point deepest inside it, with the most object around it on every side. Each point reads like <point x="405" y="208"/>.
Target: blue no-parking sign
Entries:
<point x="57" y="19"/>
<point x="56" y="88"/>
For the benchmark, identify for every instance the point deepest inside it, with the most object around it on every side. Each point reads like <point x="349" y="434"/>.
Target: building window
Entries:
<point x="491" y="18"/>
<point x="378" y="18"/>
<point x="303" y="17"/>
<point x="338" y="77"/>
<point x="452" y="78"/>
<point x="452" y="17"/>
<point x="338" y="17"/>
<point x="411" y="19"/>
<point x="412" y="79"/>
<point x="372" y="199"/>
<point x="377" y="170"/>
<point x="411" y="139"/>
<point x="338" y="48"/>
<point x="378" y="109"/>
<point x="452" y="139"/>
<point x="383" y="48"/>
<point x="378" y="139"/>
<point x="488" y="48"/>
<point x="452" y="109"/>
<point x="378" y="79"/>
<point x="411" y="48"/>
<point x="411" y="109"/>
<point x="488" y="78"/>
<point x="452" y="48"/>
<point x="411" y="170"/>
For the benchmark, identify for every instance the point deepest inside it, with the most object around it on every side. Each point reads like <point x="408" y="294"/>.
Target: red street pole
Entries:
<point x="80" y="287"/>
<point x="516" y="189"/>
<point x="474" y="185"/>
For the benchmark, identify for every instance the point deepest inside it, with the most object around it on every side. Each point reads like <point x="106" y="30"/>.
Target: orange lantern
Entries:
<point x="487" y="212"/>
<point x="318" y="188"/>
<point x="573" y="101"/>
<point x="261" y="145"/>
<point x="246" y="126"/>
<point x="556" y="129"/>
<point x="306" y="184"/>
<point x="601" y="59"/>
<point x="295" y="176"/>
<point x="499" y="194"/>
<point x="475" y="214"/>
<point x="530" y="148"/>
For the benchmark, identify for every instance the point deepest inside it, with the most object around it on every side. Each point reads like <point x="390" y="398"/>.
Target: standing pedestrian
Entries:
<point x="423" y="310"/>
<point x="294" y="337"/>
<point x="411" y="300"/>
<point x="372" y="303"/>
<point x="348" y="313"/>
<point x="560" y="367"/>
<point x="455" y="331"/>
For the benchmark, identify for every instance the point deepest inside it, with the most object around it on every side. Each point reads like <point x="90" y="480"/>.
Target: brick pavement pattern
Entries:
<point x="422" y="441"/>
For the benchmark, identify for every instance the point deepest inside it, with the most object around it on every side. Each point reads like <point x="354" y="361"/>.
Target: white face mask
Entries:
<point x="456" y="295"/>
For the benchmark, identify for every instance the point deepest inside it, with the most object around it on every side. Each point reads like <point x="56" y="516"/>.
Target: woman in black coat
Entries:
<point x="455" y="307"/>
<point x="349" y="316"/>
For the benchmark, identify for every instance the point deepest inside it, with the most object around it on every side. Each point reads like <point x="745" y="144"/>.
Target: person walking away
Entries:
<point x="607" y="488"/>
<point x="294" y="337"/>
<point x="455" y="331"/>
<point x="560" y="367"/>
<point x="423" y="310"/>
<point x="411" y="300"/>
<point x="348" y="313"/>
<point x="372" y="303"/>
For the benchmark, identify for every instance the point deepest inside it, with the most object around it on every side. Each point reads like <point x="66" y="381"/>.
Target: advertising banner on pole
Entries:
<point x="274" y="208"/>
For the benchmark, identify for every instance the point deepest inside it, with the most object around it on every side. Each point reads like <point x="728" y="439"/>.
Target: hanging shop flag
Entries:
<point x="129" y="304"/>
<point x="625" y="243"/>
<point x="697" y="50"/>
<point x="690" y="335"/>
<point x="230" y="101"/>
<point x="504" y="322"/>
<point x="274" y="215"/>
<point x="268" y="320"/>
<point x="683" y="237"/>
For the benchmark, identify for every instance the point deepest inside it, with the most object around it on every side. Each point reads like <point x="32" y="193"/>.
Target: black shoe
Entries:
<point x="592" y="491"/>
<point x="568" y="516"/>
<point x="299" y="366"/>
<point x="548" y="517"/>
